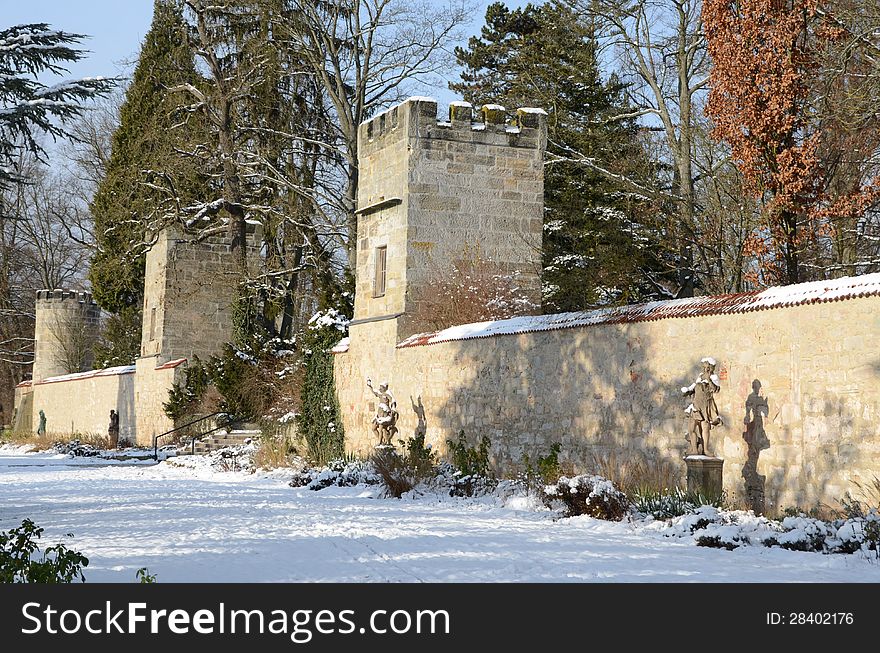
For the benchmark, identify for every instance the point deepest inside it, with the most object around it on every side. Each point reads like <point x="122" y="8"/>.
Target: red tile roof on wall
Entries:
<point x="171" y="364"/>
<point x="777" y="297"/>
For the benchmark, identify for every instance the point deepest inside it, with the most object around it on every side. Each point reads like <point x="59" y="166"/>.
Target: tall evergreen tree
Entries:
<point x="27" y="106"/>
<point x="595" y="250"/>
<point x="145" y="140"/>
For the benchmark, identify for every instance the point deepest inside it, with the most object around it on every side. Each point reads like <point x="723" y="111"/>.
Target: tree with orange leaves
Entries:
<point x="757" y="100"/>
<point x="771" y="103"/>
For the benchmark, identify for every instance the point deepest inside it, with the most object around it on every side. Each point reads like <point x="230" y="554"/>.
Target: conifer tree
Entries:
<point x="28" y="107"/>
<point x="146" y="140"/>
<point x="595" y="250"/>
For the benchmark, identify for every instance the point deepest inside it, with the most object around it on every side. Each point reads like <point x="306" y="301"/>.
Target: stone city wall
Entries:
<point x="23" y="407"/>
<point x="610" y="395"/>
<point x="81" y="403"/>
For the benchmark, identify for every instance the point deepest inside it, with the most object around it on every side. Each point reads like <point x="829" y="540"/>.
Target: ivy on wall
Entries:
<point x="319" y="419"/>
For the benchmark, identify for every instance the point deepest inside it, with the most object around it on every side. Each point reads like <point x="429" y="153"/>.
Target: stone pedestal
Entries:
<point x="704" y="474"/>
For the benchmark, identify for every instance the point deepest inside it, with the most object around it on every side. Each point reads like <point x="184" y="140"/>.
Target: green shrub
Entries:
<point x="184" y="395"/>
<point x="544" y="471"/>
<point x="319" y="419"/>
<point x="21" y="560"/>
<point x="470" y="461"/>
<point x="397" y="477"/>
<point x="717" y="542"/>
<point x="144" y="576"/>
<point x="664" y="504"/>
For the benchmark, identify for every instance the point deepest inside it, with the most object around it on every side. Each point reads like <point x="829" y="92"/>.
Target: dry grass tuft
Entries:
<point x="43" y="442"/>
<point x="637" y="474"/>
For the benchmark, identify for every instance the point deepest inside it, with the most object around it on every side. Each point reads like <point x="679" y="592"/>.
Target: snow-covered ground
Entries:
<point x="187" y="522"/>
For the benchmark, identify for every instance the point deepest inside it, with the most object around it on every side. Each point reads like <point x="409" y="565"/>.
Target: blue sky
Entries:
<point x="116" y="28"/>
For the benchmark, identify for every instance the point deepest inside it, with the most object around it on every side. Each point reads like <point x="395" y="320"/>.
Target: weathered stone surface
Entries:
<point x="457" y="186"/>
<point x="704" y="474"/>
<point x="81" y="406"/>
<point x="59" y="312"/>
<point x="615" y="388"/>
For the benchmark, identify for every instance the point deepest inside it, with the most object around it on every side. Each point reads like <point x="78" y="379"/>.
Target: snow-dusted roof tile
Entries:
<point x="804" y="293"/>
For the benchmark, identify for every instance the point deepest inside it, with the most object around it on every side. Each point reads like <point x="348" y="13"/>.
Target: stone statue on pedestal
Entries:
<point x="385" y="421"/>
<point x="702" y="411"/>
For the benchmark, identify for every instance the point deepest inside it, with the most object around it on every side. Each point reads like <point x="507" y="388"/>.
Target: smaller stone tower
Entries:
<point x="190" y="286"/>
<point x="67" y="325"/>
<point x="189" y="289"/>
<point x="435" y="192"/>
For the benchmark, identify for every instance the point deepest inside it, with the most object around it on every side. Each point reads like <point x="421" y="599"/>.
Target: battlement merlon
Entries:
<point x="416" y="117"/>
<point x="60" y="295"/>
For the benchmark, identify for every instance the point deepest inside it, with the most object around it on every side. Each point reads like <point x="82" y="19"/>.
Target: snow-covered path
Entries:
<point x="188" y="524"/>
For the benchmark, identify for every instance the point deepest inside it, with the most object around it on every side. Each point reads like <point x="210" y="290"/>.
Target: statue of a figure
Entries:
<point x="113" y="429"/>
<point x="41" y="427"/>
<point x="702" y="411"/>
<point x="385" y="421"/>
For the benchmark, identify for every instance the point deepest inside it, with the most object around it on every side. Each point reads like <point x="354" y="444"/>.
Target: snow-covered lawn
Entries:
<point x="191" y="523"/>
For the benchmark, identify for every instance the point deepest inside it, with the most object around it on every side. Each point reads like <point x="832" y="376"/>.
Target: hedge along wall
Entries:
<point x="611" y="392"/>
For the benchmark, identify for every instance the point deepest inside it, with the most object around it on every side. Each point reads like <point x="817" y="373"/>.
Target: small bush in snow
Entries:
<point x="666" y="504"/>
<point x="76" y="448"/>
<point x="855" y="534"/>
<point x="730" y="529"/>
<point x="339" y="473"/>
<point x="397" y="477"/>
<point x="470" y="461"/>
<point x="544" y="471"/>
<point x="469" y="474"/>
<point x="803" y="534"/>
<point x="451" y="480"/>
<point x="590" y="495"/>
<point x="401" y="473"/>
<point x="719" y="537"/>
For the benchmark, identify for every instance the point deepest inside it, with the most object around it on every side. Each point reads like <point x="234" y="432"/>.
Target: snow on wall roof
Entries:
<point x="341" y="346"/>
<point x="108" y="371"/>
<point x="777" y="297"/>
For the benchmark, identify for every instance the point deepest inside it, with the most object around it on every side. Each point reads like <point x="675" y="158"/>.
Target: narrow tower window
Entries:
<point x="153" y="323"/>
<point x="379" y="280"/>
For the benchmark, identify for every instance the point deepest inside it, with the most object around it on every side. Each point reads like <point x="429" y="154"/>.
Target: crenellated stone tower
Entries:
<point x="433" y="192"/>
<point x="66" y="326"/>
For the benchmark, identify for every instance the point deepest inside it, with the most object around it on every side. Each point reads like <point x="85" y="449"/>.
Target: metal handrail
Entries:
<point x="183" y="426"/>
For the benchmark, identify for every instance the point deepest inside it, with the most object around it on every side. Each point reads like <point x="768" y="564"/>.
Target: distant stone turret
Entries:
<point x="67" y="325"/>
<point x="430" y="191"/>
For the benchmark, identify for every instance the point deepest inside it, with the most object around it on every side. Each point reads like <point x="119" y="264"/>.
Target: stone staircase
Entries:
<point x="222" y="439"/>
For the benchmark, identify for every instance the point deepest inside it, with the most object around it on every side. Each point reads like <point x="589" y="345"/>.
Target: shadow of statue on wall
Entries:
<point x="594" y="393"/>
<point x="419" y="410"/>
<point x="756" y="409"/>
